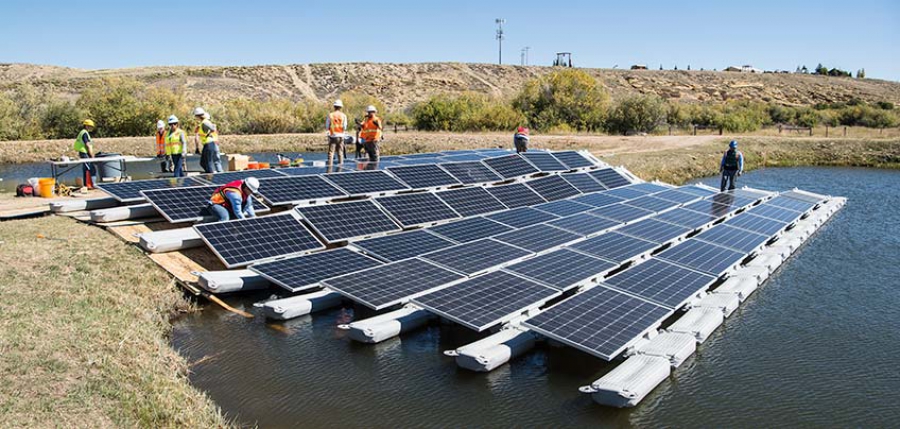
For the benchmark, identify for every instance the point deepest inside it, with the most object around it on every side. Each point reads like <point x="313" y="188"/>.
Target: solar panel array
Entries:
<point x="297" y="189"/>
<point x="470" y="229"/>
<point x="477" y="256"/>
<point x="471" y="201"/>
<point x="561" y="269"/>
<point x="396" y="247"/>
<point x="416" y="209"/>
<point x="305" y="272"/>
<point x="553" y="188"/>
<point x="515" y="195"/>
<point x="187" y="204"/>
<point x="131" y="191"/>
<point x="339" y="222"/>
<point x="424" y="176"/>
<point x="360" y="183"/>
<point x="394" y="283"/>
<point x="510" y="166"/>
<point x="544" y="161"/>
<point x="471" y="172"/>
<point x="241" y="242"/>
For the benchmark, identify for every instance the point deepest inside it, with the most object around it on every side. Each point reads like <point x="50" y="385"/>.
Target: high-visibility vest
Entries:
<point x="79" y="141"/>
<point x="370" y="131"/>
<point x="175" y="142"/>
<point x="337" y="122"/>
<point x="218" y="196"/>
<point x="211" y="136"/>
<point x="161" y="143"/>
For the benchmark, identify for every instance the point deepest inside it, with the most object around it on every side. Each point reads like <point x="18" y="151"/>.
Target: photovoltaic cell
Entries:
<point x="584" y="224"/>
<point x="471" y="201"/>
<point x="776" y="213"/>
<point x="621" y="213"/>
<point x="471" y="229"/>
<point x="510" y="166"/>
<point x="552" y="188"/>
<point x="471" y="172"/>
<point x="395" y="247"/>
<point x="750" y="222"/>
<point x="696" y="190"/>
<point x="305" y="272"/>
<point x="610" y="178"/>
<point x="584" y="182"/>
<point x="486" y="301"/>
<point x="702" y="256"/>
<point x="649" y="188"/>
<point x="240" y="242"/>
<point x="476" y="257"/>
<point x="654" y="230"/>
<point x="561" y="269"/>
<point x="733" y="238"/>
<point x="416" y="209"/>
<point x="395" y="283"/>
<point x="572" y="159"/>
<point x="625" y="193"/>
<point x="131" y="191"/>
<point x="563" y="207"/>
<point x="187" y="204"/>
<point x="661" y="282"/>
<point x="687" y="218"/>
<point x="365" y="182"/>
<point x="599" y="321"/>
<point x="296" y="189"/>
<point x="710" y="208"/>
<point x="522" y="217"/>
<point x="676" y="196"/>
<point x="339" y="222"/>
<point x="651" y="203"/>
<point x="537" y="238"/>
<point x="544" y="161"/>
<point x="614" y="247"/>
<point x="515" y="195"/>
<point x="599" y="199"/>
<point x="790" y="204"/>
<point x="230" y="176"/>
<point x="423" y="176"/>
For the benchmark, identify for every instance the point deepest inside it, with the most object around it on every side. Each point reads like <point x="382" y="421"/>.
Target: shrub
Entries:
<point x="355" y="104"/>
<point x="566" y="97"/>
<point x="61" y="120"/>
<point x="127" y="107"/>
<point x="468" y="111"/>
<point x="642" y="113"/>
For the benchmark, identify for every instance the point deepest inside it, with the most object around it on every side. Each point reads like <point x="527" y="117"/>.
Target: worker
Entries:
<point x="335" y="123"/>
<point x="234" y="199"/>
<point x="520" y="140"/>
<point x="207" y="135"/>
<point x="176" y="146"/>
<point x="85" y="149"/>
<point x="165" y="163"/>
<point x="732" y="165"/>
<point x="371" y="133"/>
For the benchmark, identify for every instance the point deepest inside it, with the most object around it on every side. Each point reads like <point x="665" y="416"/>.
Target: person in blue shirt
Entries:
<point x="732" y="165"/>
<point x="234" y="200"/>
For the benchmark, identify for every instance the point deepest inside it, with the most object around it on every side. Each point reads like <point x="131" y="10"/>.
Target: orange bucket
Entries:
<point x="45" y="187"/>
<point x="285" y="163"/>
<point x="253" y="165"/>
<point x="263" y="165"/>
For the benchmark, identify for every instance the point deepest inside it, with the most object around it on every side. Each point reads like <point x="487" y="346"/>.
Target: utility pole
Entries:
<point x="500" y="23"/>
<point x="526" y="54"/>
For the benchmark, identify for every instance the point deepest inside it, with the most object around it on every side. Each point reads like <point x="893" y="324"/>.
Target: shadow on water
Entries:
<point x="815" y="346"/>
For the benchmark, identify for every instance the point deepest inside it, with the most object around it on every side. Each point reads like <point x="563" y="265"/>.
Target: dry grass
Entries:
<point x="83" y="333"/>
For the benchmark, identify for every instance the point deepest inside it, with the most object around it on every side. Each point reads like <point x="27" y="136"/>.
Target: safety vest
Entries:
<point x="371" y="132"/>
<point x="175" y="142"/>
<point x="336" y="119"/>
<point x="79" y="141"/>
<point x="211" y="136"/>
<point x="731" y="159"/>
<point x="161" y="143"/>
<point x="218" y="196"/>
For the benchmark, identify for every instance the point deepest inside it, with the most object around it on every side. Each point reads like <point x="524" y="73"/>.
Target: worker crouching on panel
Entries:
<point x="234" y="200"/>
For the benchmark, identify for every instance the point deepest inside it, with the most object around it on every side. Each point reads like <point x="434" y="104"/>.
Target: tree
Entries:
<point x="569" y="99"/>
<point x="861" y="74"/>
<point x="821" y="70"/>
<point x="642" y="113"/>
<point x="804" y="70"/>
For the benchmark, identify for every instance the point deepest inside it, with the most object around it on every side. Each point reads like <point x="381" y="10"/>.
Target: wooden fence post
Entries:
<point x="826" y="131"/>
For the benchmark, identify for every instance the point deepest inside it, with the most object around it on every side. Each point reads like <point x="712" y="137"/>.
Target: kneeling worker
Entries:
<point x="234" y="199"/>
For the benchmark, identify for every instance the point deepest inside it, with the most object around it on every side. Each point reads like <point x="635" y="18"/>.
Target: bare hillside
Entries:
<point x="400" y="85"/>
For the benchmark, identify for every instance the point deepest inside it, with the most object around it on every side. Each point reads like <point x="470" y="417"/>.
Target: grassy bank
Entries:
<point x="83" y="333"/>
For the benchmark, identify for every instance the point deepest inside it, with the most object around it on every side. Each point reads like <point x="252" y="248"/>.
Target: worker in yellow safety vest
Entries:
<point x="85" y="148"/>
<point x="207" y="134"/>
<point x="335" y="124"/>
<point x="370" y="133"/>
<point x="176" y="145"/>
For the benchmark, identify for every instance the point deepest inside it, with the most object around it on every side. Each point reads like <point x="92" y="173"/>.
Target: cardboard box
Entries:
<point x="237" y="162"/>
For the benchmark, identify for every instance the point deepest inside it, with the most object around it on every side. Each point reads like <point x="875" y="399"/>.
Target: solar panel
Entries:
<point x="572" y="159"/>
<point x="649" y="188"/>
<point x="462" y="158"/>
<point x="610" y="178"/>
<point x="730" y="200"/>
<point x="522" y="217"/>
<point x="651" y="203"/>
<point x="471" y="201"/>
<point x="599" y="321"/>
<point x="614" y="247"/>
<point x="471" y="229"/>
<point x="564" y="207"/>
<point x="684" y="217"/>
<point x="303" y="171"/>
<point x="696" y="190"/>
<point x="733" y="238"/>
<point x="676" y="196"/>
<point x="790" y="204"/>
<point x="305" y="272"/>
<point x="803" y="196"/>
<point x="131" y="191"/>
<point x="552" y="188"/>
<point x="584" y="182"/>
<point x="395" y="247"/>
<point x="416" y="209"/>
<point x="599" y="199"/>
<point x="339" y="222"/>
<point x="230" y="176"/>
<point x="510" y="166"/>
<point x="584" y="224"/>
<point x="476" y="257"/>
<point x="710" y="208"/>
<point x="654" y="230"/>
<point x="420" y="155"/>
<point x="661" y="282"/>
<point x="296" y="189"/>
<point x="515" y="195"/>
<point x="750" y="222"/>
<point x="423" y="176"/>
<point x="776" y="213"/>
<point x="365" y="182"/>
<point x="621" y="213"/>
<point x="395" y="283"/>
<point x="752" y="194"/>
<point x="241" y="242"/>
<point x="187" y="204"/>
<point x="561" y="269"/>
<point x="470" y="173"/>
<point x="486" y="301"/>
<point x="702" y="256"/>
<point x="537" y="238"/>
<point x="625" y="193"/>
<point x="544" y="161"/>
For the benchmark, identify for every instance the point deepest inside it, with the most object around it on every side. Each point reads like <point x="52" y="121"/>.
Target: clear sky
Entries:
<point x="848" y="34"/>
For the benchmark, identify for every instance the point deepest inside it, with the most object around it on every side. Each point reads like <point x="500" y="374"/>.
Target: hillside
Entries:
<point x="400" y="85"/>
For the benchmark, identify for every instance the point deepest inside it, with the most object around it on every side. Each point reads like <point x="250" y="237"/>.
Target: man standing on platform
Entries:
<point x="85" y="148"/>
<point x="371" y="133"/>
<point x="732" y="165"/>
<point x="335" y="124"/>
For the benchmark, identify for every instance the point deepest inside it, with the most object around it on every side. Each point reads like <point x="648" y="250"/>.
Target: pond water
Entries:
<point x="816" y="346"/>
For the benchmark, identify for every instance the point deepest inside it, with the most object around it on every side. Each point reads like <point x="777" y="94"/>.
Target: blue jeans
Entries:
<point x="220" y="212"/>
<point x="86" y="169"/>
<point x="178" y="160"/>
<point x="209" y="158"/>
<point x="728" y="177"/>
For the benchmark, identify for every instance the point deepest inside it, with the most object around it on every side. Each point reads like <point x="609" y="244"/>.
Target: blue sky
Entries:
<point x="708" y="34"/>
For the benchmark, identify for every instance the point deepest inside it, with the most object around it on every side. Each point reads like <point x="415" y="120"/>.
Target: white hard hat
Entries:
<point x="172" y="120"/>
<point x="199" y="111"/>
<point x="160" y="124"/>
<point x="338" y="103"/>
<point x="252" y="184"/>
<point x="371" y="109"/>
<point x="205" y="115"/>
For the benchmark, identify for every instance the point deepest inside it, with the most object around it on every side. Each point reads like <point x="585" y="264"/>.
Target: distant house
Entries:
<point x="743" y="69"/>
<point x="639" y="67"/>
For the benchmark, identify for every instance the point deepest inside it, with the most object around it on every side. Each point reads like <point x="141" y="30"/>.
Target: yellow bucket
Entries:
<point x="45" y="187"/>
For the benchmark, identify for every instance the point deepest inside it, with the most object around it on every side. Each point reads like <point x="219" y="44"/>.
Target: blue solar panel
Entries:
<point x="515" y="195"/>
<point x="423" y="176"/>
<point x="790" y="204"/>
<point x="651" y="203"/>
<point x="676" y="196"/>
<point x="395" y="283"/>
<point x="614" y="247"/>
<point x="584" y="224"/>
<point x="802" y="196"/>
<point x="562" y="269"/>
<point x="621" y="213"/>
<point x="305" y="272"/>
<point x="471" y="229"/>
<point x="626" y="193"/>
<point x="649" y="188"/>
<point x="684" y="217"/>
<point x="584" y="182"/>
<point x="696" y="190"/>
<point x="702" y="256"/>
<point x="339" y="222"/>
<point x="366" y="182"/>
<point x="599" y="199"/>
<point x="564" y="207"/>
<point x="537" y="238"/>
<point x="471" y="172"/>
<point x="131" y="191"/>
<point x="710" y="208"/>
<point x="654" y="230"/>
<point x="544" y="161"/>
<point x="240" y="242"/>
<point x="297" y="189"/>
<point x="776" y="213"/>
<point x="733" y="238"/>
<point x="510" y="166"/>
<point x="750" y="222"/>
<point x="552" y="188"/>
<point x="522" y="217"/>
<point x="610" y="178"/>
<point x="572" y="159"/>
<point x="471" y="201"/>
<point x="661" y="282"/>
<point x="477" y="256"/>
<point x="187" y="204"/>
<point x="405" y="245"/>
<point x="416" y="209"/>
